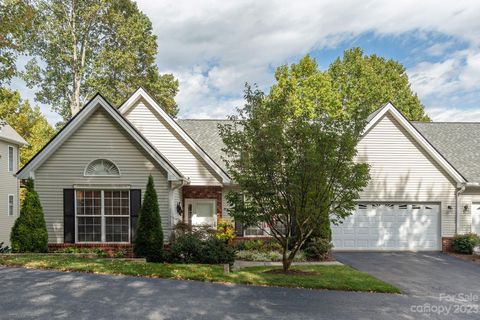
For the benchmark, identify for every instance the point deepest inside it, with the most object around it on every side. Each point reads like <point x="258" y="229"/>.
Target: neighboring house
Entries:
<point x="92" y="175"/>
<point x="10" y="143"/>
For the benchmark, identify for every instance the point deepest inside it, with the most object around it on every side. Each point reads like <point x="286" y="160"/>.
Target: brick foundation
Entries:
<point x="203" y="192"/>
<point x="447" y="244"/>
<point x="109" y="248"/>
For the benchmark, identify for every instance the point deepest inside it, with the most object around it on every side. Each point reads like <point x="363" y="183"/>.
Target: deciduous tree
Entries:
<point x="371" y="81"/>
<point x="292" y="154"/>
<point x="28" y="121"/>
<point x="81" y="47"/>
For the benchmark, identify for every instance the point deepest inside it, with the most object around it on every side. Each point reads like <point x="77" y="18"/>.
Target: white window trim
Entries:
<point x="8" y="205"/>
<point x="10" y="159"/>
<point x="102" y="217"/>
<point x="85" y="174"/>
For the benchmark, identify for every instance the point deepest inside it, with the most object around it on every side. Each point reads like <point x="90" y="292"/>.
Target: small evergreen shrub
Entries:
<point x="464" y="243"/>
<point x="318" y="249"/>
<point x="186" y="249"/>
<point x="29" y="233"/>
<point x="149" y="233"/>
<point x="215" y="251"/>
<point x="192" y="248"/>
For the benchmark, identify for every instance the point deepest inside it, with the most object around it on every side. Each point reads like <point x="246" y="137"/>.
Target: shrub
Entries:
<point x="274" y="256"/>
<point x="74" y="250"/>
<point x="190" y="248"/>
<point x="318" y="249"/>
<point x="465" y="243"/>
<point x="29" y="233"/>
<point x="149" y="233"/>
<point x="259" y="245"/>
<point x="186" y="249"/>
<point x="216" y="251"/>
<point x="179" y="229"/>
<point x="225" y="230"/>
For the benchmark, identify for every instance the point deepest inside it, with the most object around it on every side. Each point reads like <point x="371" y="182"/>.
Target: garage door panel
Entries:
<point x="377" y="226"/>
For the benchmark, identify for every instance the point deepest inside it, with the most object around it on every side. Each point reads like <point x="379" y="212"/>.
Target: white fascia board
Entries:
<point x="427" y="146"/>
<point x="77" y="122"/>
<point x="141" y="93"/>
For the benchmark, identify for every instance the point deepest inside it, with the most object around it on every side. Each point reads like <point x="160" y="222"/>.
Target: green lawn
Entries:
<point x="325" y="277"/>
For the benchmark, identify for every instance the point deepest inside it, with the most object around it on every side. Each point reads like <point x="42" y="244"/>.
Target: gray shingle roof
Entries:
<point x="458" y="142"/>
<point x="206" y="134"/>
<point x="7" y="133"/>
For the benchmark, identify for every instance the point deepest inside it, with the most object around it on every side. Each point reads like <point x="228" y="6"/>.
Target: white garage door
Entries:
<point x="388" y="226"/>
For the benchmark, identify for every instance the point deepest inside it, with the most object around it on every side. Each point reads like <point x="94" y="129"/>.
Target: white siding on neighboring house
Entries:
<point x="176" y="198"/>
<point x="9" y="185"/>
<point x="171" y="145"/>
<point x="99" y="137"/>
<point x="401" y="171"/>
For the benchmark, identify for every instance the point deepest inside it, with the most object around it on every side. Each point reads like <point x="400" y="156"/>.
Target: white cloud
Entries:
<point x="240" y="41"/>
<point x="454" y="114"/>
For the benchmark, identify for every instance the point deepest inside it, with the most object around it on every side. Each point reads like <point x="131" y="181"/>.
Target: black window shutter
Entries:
<point x="238" y="229"/>
<point x="135" y="204"/>
<point x="68" y="215"/>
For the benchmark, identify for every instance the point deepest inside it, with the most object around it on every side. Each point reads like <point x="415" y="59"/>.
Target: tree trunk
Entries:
<point x="75" y="104"/>
<point x="286" y="260"/>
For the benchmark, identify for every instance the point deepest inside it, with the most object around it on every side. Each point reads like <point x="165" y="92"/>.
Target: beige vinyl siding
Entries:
<point x="171" y="145"/>
<point x="99" y="137"/>
<point x="8" y="185"/>
<point x="402" y="171"/>
<point x="467" y="198"/>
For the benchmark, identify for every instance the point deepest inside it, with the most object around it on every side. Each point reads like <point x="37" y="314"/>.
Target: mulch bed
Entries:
<point x="293" y="272"/>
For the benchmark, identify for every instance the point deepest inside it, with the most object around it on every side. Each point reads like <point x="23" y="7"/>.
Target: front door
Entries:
<point x="201" y="212"/>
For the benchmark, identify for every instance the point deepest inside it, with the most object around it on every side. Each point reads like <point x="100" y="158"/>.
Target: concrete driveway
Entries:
<point x="418" y="274"/>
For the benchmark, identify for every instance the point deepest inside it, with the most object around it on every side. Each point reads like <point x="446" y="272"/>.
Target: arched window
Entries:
<point x="102" y="167"/>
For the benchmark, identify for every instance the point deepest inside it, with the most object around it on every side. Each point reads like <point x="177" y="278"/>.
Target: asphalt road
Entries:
<point x="42" y="294"/>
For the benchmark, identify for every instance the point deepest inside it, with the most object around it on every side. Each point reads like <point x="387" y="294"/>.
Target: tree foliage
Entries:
<point x="372" y="81"/>
<point x="29" y="233"/>
<point x="28" y="121"/>
<point x="83" y="47"/>
<point x="292" y="154"/>
<point x="149" y="234"/>
<point x="15" y="20"/>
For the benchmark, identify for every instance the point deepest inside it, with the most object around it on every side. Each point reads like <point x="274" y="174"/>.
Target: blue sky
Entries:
<point x="214" y="47"/>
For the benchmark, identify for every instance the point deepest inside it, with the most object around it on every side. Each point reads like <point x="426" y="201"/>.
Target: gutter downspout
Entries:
<point x="183" y="182"/>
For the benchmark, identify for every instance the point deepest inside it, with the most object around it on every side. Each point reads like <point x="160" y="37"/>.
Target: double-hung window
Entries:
<point x="102" y="215"/>
<point x="11" y="160"/>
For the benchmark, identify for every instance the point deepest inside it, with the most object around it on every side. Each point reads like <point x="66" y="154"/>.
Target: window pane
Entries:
<point x="116" y="229"/>
<point x="89" y="229"/>
<point x="117" y="203"/>
<point x="205" y="210"/>
<point x="10" y="159"/>
<point x="89" y="202"/>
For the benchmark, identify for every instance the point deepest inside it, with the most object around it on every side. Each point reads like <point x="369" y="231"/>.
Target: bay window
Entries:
<point x="102" y="215"/>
